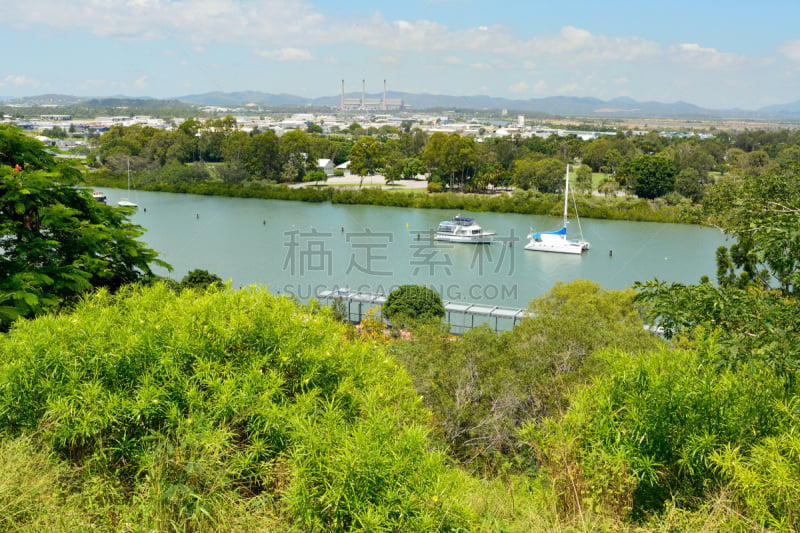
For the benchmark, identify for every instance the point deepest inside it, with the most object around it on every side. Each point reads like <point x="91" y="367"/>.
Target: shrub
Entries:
<point x="413" y="302"/>
<point x="192" y="411"/>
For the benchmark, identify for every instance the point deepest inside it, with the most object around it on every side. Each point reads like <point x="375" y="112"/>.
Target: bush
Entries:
<point x="196" y="411"/>
<point x="650" y="429"/>
<point x="413" y="302"/>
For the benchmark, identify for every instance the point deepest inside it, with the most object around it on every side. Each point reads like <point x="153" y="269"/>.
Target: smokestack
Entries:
<point x="342" y="95"/>
<point x="363" y="94"/>
<point x="384" y="95"/>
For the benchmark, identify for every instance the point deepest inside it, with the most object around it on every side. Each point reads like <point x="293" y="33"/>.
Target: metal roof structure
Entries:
<point x="459" y="308"/>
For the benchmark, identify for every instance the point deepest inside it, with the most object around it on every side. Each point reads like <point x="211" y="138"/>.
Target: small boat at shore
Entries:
<point x="463" y="229"/>
<point x="99" y="196"/>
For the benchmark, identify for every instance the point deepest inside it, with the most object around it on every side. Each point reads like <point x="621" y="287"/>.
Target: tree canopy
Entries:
<point x="58" y="242"/>
<point x="415" y="302"/>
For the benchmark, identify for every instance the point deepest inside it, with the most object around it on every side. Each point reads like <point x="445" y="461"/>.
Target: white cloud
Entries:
<point x="576" y="45"/>
<point x="200" y="21"/>
<point x="481" y="66"/>
<point x="569" y="89"/>
<point x="141" y="82"/>
<point x="13" y="80"/>
<point x="696" y="56"/>
<point x="286" y="54"/>
<point x="790" y="50"/>
<point x="388" y="60"/>
<point x="519" y="87"/>
<point x="452" y="60"/>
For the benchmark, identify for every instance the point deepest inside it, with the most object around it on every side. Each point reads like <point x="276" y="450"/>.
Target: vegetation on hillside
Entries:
<point x="213" y="410"/>
<point x="194" y="407"/>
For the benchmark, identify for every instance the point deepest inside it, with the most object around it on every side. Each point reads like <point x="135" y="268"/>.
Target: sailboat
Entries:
<point x="125" y="202"/>
<point x="556" y="241"/>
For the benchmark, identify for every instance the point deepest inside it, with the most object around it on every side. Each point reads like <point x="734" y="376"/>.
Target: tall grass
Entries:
<point x="200" y="411"/>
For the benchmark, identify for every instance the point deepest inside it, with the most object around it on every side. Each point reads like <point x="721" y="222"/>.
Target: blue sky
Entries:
<point x="717" y="54"/>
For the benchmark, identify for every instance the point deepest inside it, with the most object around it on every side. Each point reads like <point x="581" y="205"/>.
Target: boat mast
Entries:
<point x="566" y="196"/>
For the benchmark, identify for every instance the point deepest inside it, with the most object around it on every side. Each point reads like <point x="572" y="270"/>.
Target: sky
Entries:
<point x="712" y="53"/>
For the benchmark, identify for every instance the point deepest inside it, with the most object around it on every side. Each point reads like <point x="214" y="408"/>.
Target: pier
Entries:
<point x="358" y="303"/>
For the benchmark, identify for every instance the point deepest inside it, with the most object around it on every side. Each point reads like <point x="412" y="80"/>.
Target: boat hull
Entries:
<point x="575" y="247"/>
<point x="484" y="238"/>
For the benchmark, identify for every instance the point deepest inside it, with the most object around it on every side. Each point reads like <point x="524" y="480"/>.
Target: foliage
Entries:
<point x="652" y="176"/>
<point x="193" y="410"/>
<point x="766" y="480"/>
<point x="59" y="242"/>
<point x="762" y="214"/>
<point x="483" y="386"/>
<point x="200" y="279"/>
<point x="413" y="302"/>
<point x="648" y="430"/>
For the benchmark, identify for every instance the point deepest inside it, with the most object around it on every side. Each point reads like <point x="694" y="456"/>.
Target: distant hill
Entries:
<point x="554" y="105"/>
<point x="790" y="110"/>
<point x="549" y="106"/>
<point x="66" y="101"/>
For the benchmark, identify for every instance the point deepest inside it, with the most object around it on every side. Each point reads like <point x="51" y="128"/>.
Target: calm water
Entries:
<point x="303" y="248"/>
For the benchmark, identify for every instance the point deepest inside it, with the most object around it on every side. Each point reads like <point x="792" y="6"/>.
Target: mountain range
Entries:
<point x="549" y="106"/>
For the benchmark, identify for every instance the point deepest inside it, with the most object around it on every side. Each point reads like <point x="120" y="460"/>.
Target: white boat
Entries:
<point x="99" y="196"/>
<point x="462" y="229"/>
<point x="556" y="241"/>
<point x="125" y="202"/>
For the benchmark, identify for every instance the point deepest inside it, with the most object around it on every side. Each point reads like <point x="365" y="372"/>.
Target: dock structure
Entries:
<point x="485" y="313"/>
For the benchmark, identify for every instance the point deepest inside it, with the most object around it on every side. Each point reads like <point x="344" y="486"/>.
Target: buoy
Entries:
<point x="610" y="253"/>
<point x="198" y="216"/>
<point x="264" y="222"/>
<point x="145" y="210"/>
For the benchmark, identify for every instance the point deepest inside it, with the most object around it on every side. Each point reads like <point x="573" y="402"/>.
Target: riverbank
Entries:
<point x="519" y="201"/>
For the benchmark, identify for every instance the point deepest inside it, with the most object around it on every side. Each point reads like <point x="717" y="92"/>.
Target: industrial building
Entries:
<point x="370" y="104"/>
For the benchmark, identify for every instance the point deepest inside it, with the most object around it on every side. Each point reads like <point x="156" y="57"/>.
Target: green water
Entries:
<point x="302" y="248"/>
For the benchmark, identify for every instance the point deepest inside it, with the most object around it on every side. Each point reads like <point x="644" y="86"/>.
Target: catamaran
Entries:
<point x="125" y="202"/>
<point x="556" y="241"/>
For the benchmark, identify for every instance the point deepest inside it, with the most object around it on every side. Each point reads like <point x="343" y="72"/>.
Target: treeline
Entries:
<point x="519" y="201"/>
<point x="650" y="165"/>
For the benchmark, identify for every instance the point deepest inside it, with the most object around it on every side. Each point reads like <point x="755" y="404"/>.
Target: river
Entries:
<point x="300" y="248"/>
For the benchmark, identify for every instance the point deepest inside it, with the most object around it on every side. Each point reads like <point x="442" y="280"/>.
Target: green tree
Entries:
<point x="652" y="176"/>
<point x="263" y="159"/>
<point x="413" y="302"/>
<point x="200" y="279"/>
<point x="57" y="241"/>
<point x="583" y="179"/>
<point x="366" y="157"/>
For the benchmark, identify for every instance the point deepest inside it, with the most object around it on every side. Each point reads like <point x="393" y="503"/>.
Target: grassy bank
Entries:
<point x="519" y="202"/>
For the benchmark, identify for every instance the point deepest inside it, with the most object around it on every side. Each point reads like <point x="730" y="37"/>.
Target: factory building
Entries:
<point x="369" y="104"/>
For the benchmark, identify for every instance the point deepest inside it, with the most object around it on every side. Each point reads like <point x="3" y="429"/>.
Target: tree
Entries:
<point x="549" y="175"/>
<point x="652" y="176"/>
<point x="366" y="157"/>
<point x="200" y="279"/>
<point x="294" y="149"/>
<point x="57" y="241"/>
<point x="262" y="159"/>
<point x="689" y="184"/>
<point x="413" y="302"/>
<point x="583" y="178"/>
